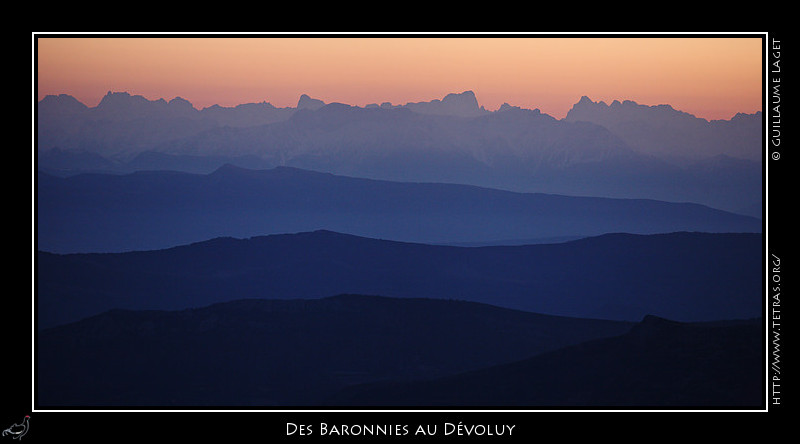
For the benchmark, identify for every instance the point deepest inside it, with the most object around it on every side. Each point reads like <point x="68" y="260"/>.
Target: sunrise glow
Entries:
<point x="710" y="77"/>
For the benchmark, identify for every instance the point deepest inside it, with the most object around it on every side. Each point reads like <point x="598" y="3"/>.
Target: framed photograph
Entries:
<point x="411" y="236"/>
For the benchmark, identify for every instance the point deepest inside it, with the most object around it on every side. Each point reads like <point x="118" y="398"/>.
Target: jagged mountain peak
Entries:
<point x="61" y="99"/>
<point x="306" y="102"/>
<point x="625" y="105"/>
<point x="466" y="97"/>
<point x="61" y="104"/>
<point x="665" y="131"/>
<point x="464" y="104"/>
<point x="181" y="103"/>
<point x="114" y="97"/>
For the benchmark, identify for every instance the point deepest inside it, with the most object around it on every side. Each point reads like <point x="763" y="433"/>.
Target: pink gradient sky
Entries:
<point x="713" y="78"/>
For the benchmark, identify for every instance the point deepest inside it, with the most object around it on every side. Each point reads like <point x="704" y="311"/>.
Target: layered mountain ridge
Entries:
<point x="664" y="131"/>
<point x="254" y="352"/>
<point x="431" y="254"/>
<point x="160" y="209"/>
<point x="681" y="276"/>
<point x="356" y="350"/>
<point x="645" y="152"/>
<point x="658" y="363"/>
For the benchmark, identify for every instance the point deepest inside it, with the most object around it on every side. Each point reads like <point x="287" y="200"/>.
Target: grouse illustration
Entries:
<point x="18" y="430"/>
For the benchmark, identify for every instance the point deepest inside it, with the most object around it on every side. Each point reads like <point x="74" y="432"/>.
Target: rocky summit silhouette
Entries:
<point x="664" y="131"/>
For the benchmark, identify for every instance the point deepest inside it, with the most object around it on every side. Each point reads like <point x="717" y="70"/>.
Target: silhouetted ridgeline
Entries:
<point x="278" y="352"/>
<point x="664" y="131"/>
<point x="659" y="363"/>
<point x="153" y="210"/>
<point x="354" y="350"/>
<point x="623" y="150"/>
<point x="681" y="276"/>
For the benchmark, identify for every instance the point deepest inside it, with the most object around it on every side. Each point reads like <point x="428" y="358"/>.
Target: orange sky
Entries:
<point x="709" y="77"/>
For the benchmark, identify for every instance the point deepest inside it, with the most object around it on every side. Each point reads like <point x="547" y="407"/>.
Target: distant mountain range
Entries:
<point x="124" y="124"/>
<point x="623" y="150"/>
<point x="353" y="350"/>
<point x="680" y="276"/>
<point x="671" y="134"/>
<point x="160" y="209"/>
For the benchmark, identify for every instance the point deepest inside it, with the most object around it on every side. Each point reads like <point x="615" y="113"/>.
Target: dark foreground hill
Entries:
<point x="154" y="210"/>
<point x="680" y="276"/>
<point x="285" y="352"/>
<point x="659" y="363"/>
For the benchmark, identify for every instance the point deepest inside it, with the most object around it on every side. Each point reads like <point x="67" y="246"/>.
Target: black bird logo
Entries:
<point x="18" y="430"/>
